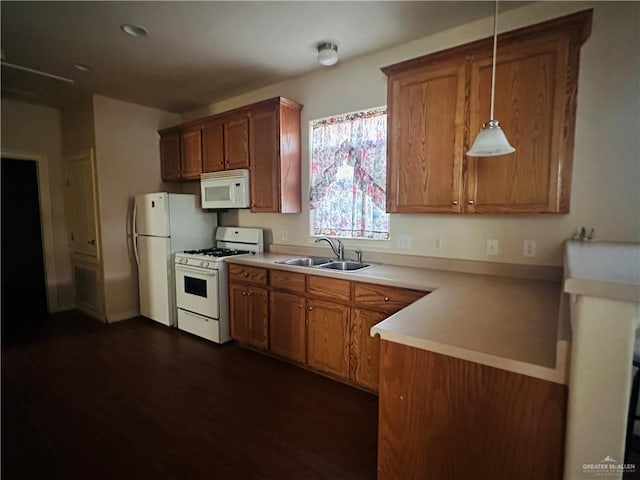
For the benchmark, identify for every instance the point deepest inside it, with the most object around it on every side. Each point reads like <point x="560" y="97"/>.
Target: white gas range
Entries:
<point x="202" y="295"/>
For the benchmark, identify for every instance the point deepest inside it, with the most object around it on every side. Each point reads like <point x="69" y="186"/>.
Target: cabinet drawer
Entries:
<point x="382" y="298"/>
<point x="291" y="281"/>
<point x="331" y="288"/>
<point x="243" y="273"/>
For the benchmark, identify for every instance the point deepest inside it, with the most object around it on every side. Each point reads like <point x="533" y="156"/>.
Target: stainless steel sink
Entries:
<point x="307" y="261"/>
<point x="345" y="265"/>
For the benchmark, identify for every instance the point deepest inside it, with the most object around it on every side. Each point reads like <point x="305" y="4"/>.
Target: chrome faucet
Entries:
<point x="337" y="250"/>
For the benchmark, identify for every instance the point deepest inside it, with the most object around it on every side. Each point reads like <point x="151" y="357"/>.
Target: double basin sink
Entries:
<point x="326" y="263"/>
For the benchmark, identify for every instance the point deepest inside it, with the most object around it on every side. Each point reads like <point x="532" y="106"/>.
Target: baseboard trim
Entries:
<point x="122" y="316"/>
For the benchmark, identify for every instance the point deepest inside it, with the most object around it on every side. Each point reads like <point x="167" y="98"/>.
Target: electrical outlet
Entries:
<point x="492" y="247"/>
<point x="284" y="235"/>
<point x="404" y="241"/>
<point x="438" y="243"/>
<point x="529" y="248"/>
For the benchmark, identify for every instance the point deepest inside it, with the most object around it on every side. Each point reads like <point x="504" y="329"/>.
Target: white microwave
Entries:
<point x="225" y="189"/>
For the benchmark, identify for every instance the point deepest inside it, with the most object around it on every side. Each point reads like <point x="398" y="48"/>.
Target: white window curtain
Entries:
<point x="349" y="175"/>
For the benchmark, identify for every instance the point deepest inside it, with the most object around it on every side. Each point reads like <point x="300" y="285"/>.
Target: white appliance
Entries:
<point x="202" y="293"/>
<point x="226" y="189"/>
<point x="163" y="224"/>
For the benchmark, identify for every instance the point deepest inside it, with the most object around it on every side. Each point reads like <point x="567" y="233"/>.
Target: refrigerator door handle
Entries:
<point x="134" y="234"/>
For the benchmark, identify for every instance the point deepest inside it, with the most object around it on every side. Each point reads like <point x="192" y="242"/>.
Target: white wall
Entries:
<point x="606" y="176"/>
<point x="128" y="162"/>
<point x="33" y="129"/>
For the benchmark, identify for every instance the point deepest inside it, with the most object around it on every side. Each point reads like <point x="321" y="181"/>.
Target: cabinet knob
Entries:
<point x="244" y="294"/>
<point x="249" y="294"/>
<point x="300" y="306"/>
<point x="246" y="274"/>
<point x="471" y="202"/>
<point x="310" y="308"/>
<point x="386" y="299"/>
<point x="455" y="202"/>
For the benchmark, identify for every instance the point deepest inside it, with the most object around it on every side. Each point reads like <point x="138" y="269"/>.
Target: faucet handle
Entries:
<point x="359" y="255"/>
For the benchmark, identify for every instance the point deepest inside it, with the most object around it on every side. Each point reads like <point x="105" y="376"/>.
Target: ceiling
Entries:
<point x="197" y="53"/>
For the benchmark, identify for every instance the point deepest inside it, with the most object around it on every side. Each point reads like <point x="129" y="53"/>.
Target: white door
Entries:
<point x="152" y="214"/>
<point x="82" y="202"/>
<point x="154" y="279"/>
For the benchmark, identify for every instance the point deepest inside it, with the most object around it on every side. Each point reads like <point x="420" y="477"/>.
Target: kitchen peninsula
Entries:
<point x="474" y="369"/>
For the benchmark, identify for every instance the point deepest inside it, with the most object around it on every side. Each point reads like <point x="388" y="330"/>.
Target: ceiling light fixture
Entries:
<point x="134" y="30"/>
<point x="327" y="54"/>
<point x="491" y="141"/>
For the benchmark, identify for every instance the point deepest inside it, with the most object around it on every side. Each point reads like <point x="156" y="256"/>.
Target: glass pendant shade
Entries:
<point x="491" y="141"/>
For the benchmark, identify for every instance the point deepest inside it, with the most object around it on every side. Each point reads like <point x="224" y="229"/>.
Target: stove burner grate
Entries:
<point x="217" y="252"/>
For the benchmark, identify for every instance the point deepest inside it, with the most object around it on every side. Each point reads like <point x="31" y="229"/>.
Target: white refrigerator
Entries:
<point x="163" y="224"/>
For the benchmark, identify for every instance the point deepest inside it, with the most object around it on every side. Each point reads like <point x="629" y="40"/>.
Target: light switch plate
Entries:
<point x="492" y="247"/>
<point x="404" y="241"/>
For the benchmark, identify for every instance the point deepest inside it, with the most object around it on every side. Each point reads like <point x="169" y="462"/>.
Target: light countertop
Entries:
<point x="503" y="322"/>
<point x="603" y="269"/>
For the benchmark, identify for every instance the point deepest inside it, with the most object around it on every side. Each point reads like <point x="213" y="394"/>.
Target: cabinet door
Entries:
<point x="426" y="135"/>
<point x="364" y="353"/>
<point x="170" y="156"/>
<point x="264" y="151"/>
<point x="239" y="313"/>
<point x="248" y="309"/>
<point x="328" y="331"/>
<point x="259" y="317"/>
<point x="213" y="147"/>
<point x="191" y="143"/>
<point x="531" y="105"/>
<point x="287" y="329"/>
<point x="236" y="143"/>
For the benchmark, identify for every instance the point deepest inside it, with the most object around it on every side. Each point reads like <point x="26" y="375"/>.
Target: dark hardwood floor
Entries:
<point x="137" y="400"/>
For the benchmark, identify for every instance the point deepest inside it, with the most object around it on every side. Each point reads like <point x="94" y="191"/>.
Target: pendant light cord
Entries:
<point x="493" y="67"/>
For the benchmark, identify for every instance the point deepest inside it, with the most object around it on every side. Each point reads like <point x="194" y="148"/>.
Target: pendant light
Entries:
<point x="491" y="141"/>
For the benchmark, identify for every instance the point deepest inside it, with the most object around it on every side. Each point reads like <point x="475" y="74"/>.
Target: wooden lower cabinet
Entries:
<point x="364" y="350"/>
<point x="328" y="330"/>
<point x="249" y="315"/>
<point x="287" y="326"/>
<point x="443" y="418"/>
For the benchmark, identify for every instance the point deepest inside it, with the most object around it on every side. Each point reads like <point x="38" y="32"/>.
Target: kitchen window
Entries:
<point x="349" y="175"/>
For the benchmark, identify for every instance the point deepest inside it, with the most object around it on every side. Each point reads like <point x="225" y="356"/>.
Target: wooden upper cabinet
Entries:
<point x="274" y="148"/>
<point x="532" y="111"/>
<point x="236" y="142"/>
<point x="170" y="155"/>
<point x="426" y="134"/>
<point x="181" y="153"/>
<point x="191" y="145"/>
<point x="438" y="103"/>
<point x="213" y="147"/>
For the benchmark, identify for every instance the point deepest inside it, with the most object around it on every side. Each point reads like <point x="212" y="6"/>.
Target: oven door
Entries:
<point x="197" y="290"/>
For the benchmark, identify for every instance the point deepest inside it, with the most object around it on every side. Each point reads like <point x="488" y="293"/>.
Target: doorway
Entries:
<point x="24" y="297"/>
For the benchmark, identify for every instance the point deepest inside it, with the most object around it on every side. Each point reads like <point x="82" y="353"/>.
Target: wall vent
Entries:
<point x="86" y="283"/>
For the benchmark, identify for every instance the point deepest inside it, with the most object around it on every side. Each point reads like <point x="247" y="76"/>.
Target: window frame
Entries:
<point x="311" y="227"/>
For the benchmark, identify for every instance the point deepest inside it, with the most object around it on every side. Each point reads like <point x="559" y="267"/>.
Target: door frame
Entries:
<point x="46" y="222"/>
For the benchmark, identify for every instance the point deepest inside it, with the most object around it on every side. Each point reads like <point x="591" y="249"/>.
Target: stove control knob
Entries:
<point x="185" y="260"/>
<point x="206" y="264"/>
<point x="203" y="263"/>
